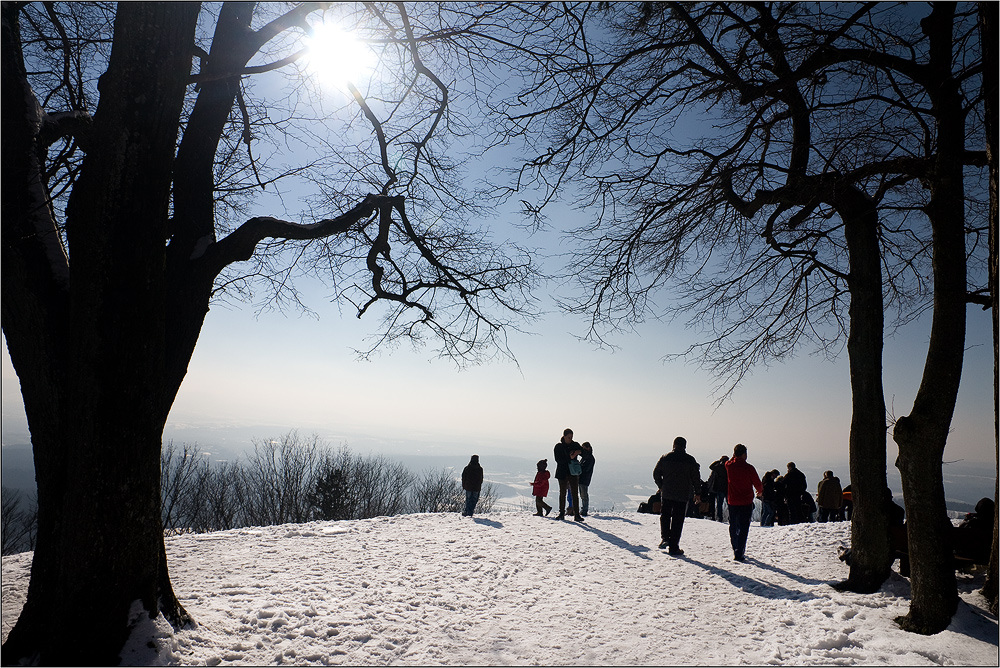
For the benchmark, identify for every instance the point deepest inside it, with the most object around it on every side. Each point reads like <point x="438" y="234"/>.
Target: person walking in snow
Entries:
<point x="743" y="481"/>
<point x="540" y="487"/>
<point x="561" y="454"/>
<point x="677" y="475"/>
<point x="587" y="464"/>
<point x="472" y="483"/>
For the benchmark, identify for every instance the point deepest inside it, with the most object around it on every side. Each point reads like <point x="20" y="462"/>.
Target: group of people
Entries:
<point x="574" y="471"/>
<point x="678" y="477"/>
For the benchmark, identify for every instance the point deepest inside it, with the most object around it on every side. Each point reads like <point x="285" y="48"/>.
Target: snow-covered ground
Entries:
<point x="511" y="588"/>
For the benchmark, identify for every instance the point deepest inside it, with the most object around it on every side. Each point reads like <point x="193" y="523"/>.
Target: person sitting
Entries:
<point x="974" y="536"/>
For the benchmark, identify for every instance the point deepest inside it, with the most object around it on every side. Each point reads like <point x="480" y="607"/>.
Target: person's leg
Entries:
<point x="664" y="524"/>
<point x="584" y="499"/>
<point x="720" y="504"/>
<point x="468" y="504"/>
<point x="538" y="505"/>
<point x="563" y="485"/>
<point x="675" y="510"/>
<point x="739" y="529"/>
<point x="574" y="488"/>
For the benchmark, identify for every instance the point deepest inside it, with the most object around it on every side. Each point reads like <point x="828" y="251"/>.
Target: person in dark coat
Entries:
<point x="974" y="536"/>
<point x="587" y="465"/>
<point x="472" y="483"/>
<point x="561" y="453"/>
<point x="767" y="499"/>
<point x="677" y="475"/>
<point x="718" y="486"/>
<point x="829" y="497"/>
<point x="795" y="487"/>
<point x="743" y="482"/>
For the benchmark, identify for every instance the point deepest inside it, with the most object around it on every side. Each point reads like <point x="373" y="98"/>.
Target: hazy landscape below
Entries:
<point x="618" y="485"/>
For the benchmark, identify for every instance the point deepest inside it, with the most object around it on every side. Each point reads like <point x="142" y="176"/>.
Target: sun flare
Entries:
<point x="338" y="57"/>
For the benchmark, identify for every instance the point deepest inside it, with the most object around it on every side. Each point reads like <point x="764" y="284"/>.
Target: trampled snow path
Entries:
<point x="511" y="588"/>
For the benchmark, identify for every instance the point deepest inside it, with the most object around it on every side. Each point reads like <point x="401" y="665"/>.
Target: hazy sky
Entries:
<point x="268" y="374"/>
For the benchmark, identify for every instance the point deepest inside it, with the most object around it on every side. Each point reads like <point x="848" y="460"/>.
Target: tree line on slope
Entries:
<point x="288" y="480"/>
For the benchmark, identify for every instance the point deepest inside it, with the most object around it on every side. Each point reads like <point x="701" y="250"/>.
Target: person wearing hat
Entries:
<point x="472" y="483"/>
<point x="540" y="487"/>
<point x="677" y="475"/>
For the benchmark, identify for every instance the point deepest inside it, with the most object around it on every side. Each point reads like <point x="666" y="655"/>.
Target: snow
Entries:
<point x="512" y="588"/>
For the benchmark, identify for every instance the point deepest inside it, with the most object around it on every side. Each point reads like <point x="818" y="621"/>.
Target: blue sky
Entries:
<point x="276" y="372"/>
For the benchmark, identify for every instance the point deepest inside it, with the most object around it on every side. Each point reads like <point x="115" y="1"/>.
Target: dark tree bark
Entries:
<point x="988" y="36"/>
<point x="922" y="435"/>
<point x="94" y="398"/>
<point x="101" y="319"/>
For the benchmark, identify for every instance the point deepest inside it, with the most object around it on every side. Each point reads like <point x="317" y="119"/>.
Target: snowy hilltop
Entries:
<point x="514" y="589"/>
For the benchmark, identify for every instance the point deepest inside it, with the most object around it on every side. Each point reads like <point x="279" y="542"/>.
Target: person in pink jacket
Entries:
<point x="743" y="482"/>
<point x="540" y="487"/>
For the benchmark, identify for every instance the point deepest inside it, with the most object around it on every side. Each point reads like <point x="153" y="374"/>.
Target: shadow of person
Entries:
<point x="489" y="523"/>
<point x="617" y="541"/>
<point x="752" y="585"/>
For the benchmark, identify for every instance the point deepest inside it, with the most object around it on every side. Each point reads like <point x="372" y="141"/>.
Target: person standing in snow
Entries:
<point x="829" y="497"/>
<point x="677" y="475"/>
<point x="575" y="469"/>
<point x="587" y="465"/>
<point x="472" y="483"/>
<point x="540" y="487"/>
<point x="767" y="499"/>
<point x="743" y="481"/>
<point x="718" y="487"/>
<point x="795" y="487"/>
<point x="561" y="454"/>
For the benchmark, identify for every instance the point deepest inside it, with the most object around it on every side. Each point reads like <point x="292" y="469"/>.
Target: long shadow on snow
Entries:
<point x="489" y="523"/>
<point x="614" y="518"/>
<point x="617" y="541"/>
<point x="793" y="576"/>
<point x="751" y="585"/>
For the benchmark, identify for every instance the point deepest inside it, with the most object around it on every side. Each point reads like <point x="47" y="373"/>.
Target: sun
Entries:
<point x="338" y="57"/>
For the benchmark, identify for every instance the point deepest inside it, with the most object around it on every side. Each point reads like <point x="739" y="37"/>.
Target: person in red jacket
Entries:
<point x="540" y="487"/>
<point x="743" y="481"/>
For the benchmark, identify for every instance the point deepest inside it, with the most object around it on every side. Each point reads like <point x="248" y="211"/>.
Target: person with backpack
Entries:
<point x="677" y="475"/>
<point x="561" y="454"/>
<point x="472" y="483"/>
<point x="540" y="487"/>
<point x="743" y="482"/>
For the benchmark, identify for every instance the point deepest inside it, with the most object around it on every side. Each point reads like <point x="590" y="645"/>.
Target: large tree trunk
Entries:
<point x="988" y="15"/>
<point x="870" y="565"/>
<point x="922" y="435"/>
<point x="92" y="388"/>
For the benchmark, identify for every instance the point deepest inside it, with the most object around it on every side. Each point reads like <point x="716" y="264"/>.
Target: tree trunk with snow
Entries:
<point x="922" y="435"/>
<point x="88" y="345"/>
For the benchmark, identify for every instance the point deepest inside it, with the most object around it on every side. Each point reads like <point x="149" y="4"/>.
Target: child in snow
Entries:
<point x="540" y="488"/>
<point x="575" y="469"/>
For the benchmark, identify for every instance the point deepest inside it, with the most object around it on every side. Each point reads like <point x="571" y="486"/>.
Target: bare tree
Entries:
<point x="181" y="476"/>
<point x="17" y="521"/>
<point x="833" y="165"/>
<point x="124" y="214"/>
<point x="437" y="491"/>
